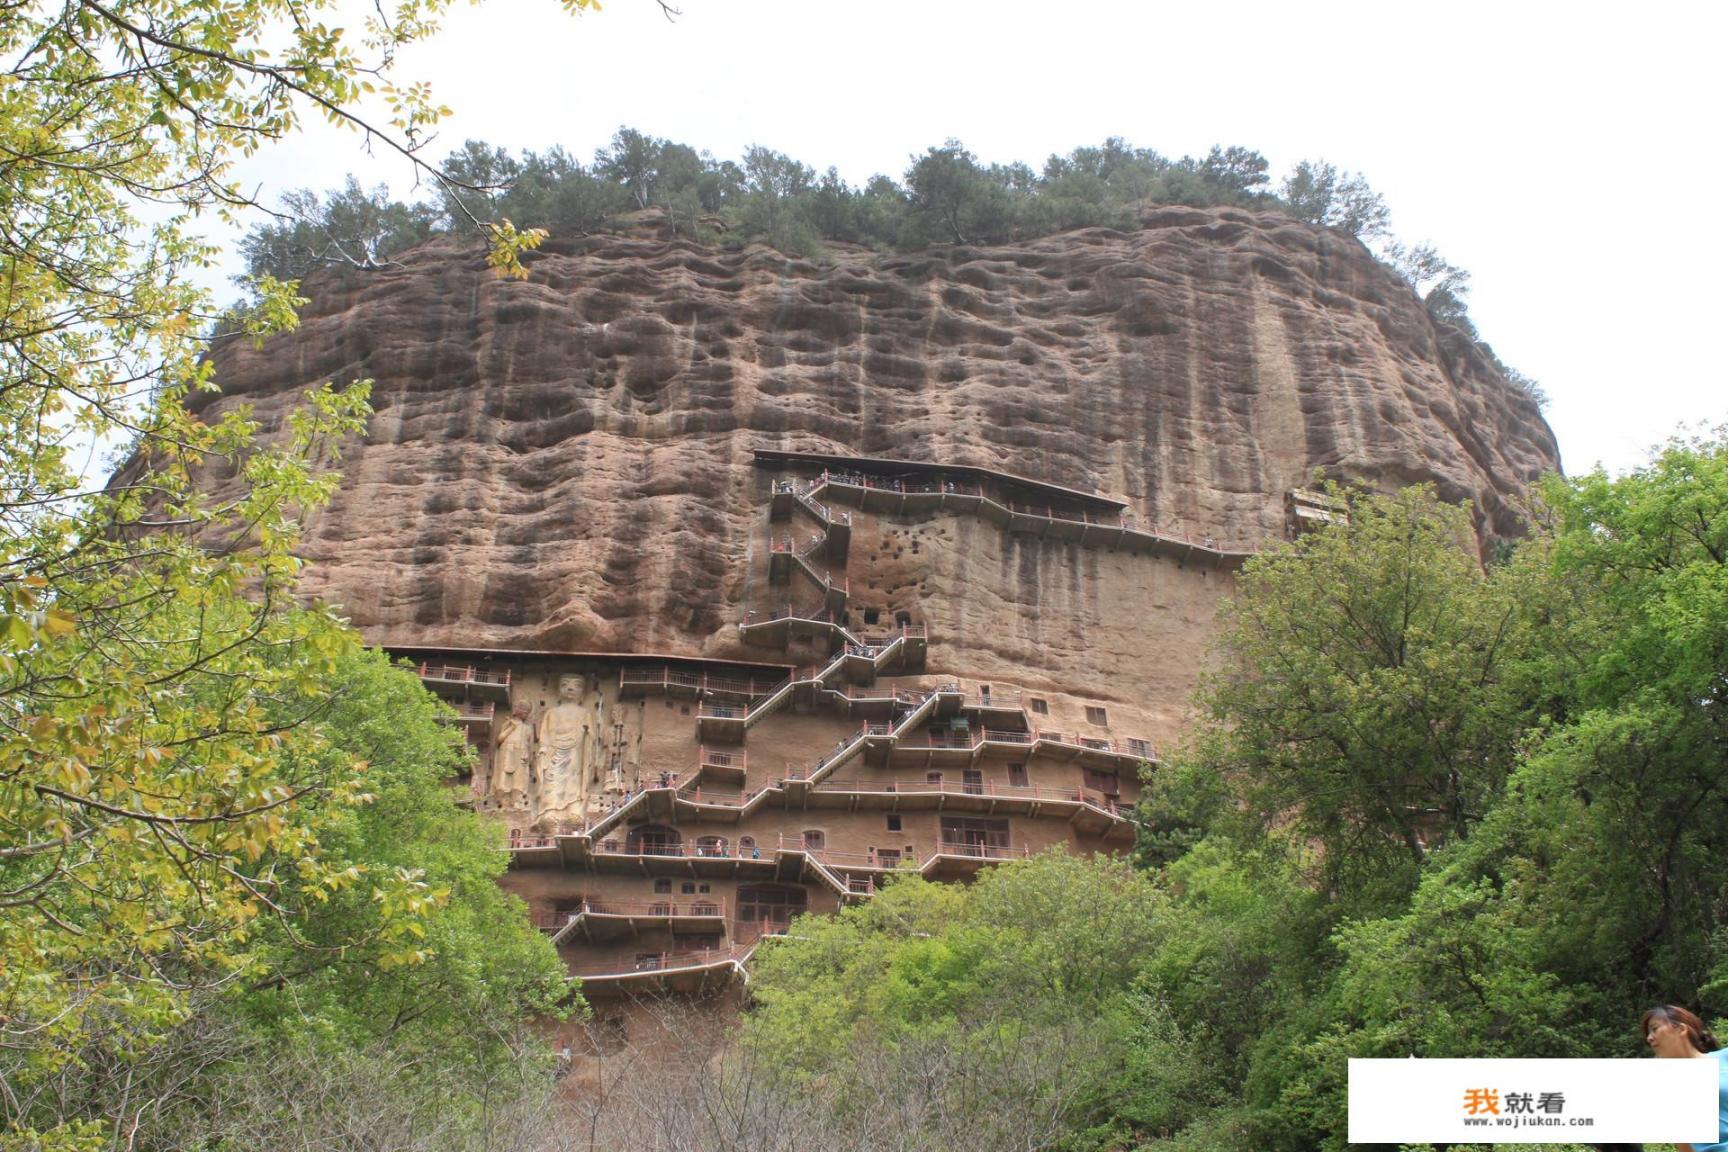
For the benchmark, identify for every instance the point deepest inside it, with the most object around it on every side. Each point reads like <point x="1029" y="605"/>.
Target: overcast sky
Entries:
<point x="1561" y="153"/>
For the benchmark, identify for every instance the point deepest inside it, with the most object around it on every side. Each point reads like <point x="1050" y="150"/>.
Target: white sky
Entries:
<point x="1559" y="152"/>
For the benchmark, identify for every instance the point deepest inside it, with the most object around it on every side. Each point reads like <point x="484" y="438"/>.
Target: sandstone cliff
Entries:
<point x="565" y="463"/>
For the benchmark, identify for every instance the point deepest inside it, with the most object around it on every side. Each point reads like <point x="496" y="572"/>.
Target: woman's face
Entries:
<point x="1667" y="1038"/>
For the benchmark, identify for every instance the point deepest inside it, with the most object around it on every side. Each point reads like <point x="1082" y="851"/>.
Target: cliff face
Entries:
<point x="566" y="462"/>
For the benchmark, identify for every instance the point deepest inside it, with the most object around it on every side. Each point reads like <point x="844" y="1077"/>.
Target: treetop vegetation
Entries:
<point x="944" y="196"/>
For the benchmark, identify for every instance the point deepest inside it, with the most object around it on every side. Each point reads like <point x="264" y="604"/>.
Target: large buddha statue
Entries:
<point x="563" y="774"/>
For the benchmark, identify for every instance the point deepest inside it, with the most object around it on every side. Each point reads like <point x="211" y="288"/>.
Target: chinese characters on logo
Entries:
<point x="1487" y="1102"/>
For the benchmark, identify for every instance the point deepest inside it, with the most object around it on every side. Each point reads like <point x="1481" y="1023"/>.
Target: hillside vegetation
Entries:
<point x="1432" y="809"/>
<point x="945" y="196"/>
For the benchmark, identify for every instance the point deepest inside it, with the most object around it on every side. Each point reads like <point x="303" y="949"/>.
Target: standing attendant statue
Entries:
<point x="513" y="761"/>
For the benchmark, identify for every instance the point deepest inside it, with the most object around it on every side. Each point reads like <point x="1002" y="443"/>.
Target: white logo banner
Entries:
<point x="1534" y="1101"/>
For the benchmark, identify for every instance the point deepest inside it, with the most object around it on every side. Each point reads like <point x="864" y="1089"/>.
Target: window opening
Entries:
<point x="1109" y="783"/>
<point x="1041" y="707"/>
<point x="1095" y="714"/>
<point x="770" y="906"/>
<point x="973" y="835"/>
<point x="1017" y="776"/>
<point x="653" y="840"/>
<point x="893" y="823"/>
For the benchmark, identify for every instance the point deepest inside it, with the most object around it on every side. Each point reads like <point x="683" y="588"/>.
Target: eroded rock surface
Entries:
<point x="565" y="463"/>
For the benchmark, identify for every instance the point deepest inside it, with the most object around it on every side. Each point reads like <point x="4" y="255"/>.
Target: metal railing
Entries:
<point x="463" y="674"/>
<point x="1121" y="520"/>
<point x="1137" y="748"/>
<point x="699" y="908"/>
<point x="667" y="677"/>
<point x="693" y="850"/>
<point x="653" y="962"/>
<point x="517" y="840"/>
<point x="989" y="788"/>
<point x="714" y="797"/>
<point x="981" y="851"/>
<point x="714" y="758"/>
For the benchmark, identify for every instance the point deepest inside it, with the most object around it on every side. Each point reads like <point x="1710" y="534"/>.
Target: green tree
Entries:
<point x="774" y="200"/>
<point x="1238" y="171"/>
<point x="632" y="160"/>
<point x="1320" y="193"/>
<point x="1370" y="692"/>
<point x="953" y="199"/>
<point x="1008" y="1013"/>
<point x="431" y="1006"/>
<point x="153" y="667"/>
<point x="1590" y="888"/>
<point x="349" y="226"/>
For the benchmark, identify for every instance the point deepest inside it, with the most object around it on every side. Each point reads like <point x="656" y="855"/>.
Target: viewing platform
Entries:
<point x="474" y="713"/>
<point x="597" y="920"/>
<point x="668" y="681"/>
<point x="1090" y="809"/>
<point x="715" y="766"/>
<point x="1015" y="503"/>
<point x="469" y="680"/>
<point x="687" y="972"/>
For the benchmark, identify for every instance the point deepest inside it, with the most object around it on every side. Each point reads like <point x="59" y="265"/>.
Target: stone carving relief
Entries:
<point x="512" y="774"/>
<point x="566" y="770"/>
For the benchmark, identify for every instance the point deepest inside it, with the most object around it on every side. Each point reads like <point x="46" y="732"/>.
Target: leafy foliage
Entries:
<point x="1371" y="695"/>
<point x="167" y="767"/>
<point x="1319" y="193"/>
<point x="1006" y="1014"/>
<point x="1436" y="808"/>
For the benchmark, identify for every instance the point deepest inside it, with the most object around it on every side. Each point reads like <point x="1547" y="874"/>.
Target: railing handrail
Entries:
<point x="707" y="757"/>
<point x="947" y="847"/>
<point x="744" y="686"/>
<point x="517" y="841"/>
<point x="1121" y="520"/>
<point x="716" y="799"/>
<point x="464" y="674"/>
<point x="665" y="962"/>
<point x="689" y="907"/>
<point x="683" y="850"/>
<point x="958" y="786"/>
